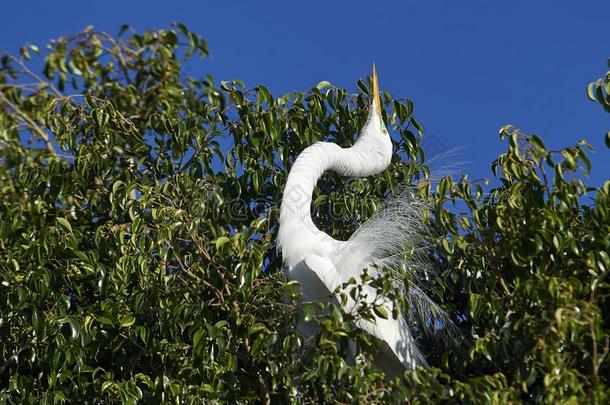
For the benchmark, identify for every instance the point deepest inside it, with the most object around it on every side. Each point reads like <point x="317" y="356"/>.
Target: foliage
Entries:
<point x="599" y="91"/>
<point x="137" y="223"/>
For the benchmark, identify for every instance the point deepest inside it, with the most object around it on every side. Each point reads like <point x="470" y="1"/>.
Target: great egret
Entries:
<point x="321" y="263"/>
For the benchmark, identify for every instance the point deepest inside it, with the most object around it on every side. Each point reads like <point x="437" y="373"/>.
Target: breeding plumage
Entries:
<point x="321" y="263"/>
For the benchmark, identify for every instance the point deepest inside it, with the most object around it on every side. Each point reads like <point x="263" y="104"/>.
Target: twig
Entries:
<point x="31" y="124"/>
<point x="33" y="75"/>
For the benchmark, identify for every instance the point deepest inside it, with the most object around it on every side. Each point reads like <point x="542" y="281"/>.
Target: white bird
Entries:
<point x="321" y="263"/>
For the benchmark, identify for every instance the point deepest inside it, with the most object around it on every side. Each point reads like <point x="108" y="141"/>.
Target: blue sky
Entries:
<point x="469" y="66"/>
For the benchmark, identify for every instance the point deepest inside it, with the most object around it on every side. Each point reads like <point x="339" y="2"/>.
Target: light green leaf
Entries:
<point x="220" y="242"/>
<point x="323" y="84"/>
<point x="591" y="92"/>
<point x="128" y="320"/>
<point x="64" y="222"/>
<point x="381" y="311"/>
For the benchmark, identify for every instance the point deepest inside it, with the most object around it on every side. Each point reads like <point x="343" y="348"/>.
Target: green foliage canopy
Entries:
<point x="138" y="211"/>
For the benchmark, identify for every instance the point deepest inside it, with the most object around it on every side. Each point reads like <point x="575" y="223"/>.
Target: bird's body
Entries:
<point x="321" y="263"/>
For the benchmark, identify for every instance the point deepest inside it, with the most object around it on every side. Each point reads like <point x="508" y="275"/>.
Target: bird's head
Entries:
<point x="374" y="132"/>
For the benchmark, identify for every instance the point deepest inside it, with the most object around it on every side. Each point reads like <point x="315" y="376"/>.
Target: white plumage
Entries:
<point x="321" y="263"/>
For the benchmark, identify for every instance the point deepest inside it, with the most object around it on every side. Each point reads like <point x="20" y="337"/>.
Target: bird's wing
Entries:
<point x="327" y="273"/>
<point x="324" y="268"/>
<point x="394" y="332"/>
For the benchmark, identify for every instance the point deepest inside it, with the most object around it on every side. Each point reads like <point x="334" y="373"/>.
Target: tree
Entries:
<point x="137" y="224"/>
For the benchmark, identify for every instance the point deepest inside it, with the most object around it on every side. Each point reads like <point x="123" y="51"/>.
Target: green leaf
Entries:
<point x="106" y="385"/>
<point x="24" y="53"/>
<point x="37" y="322"/>
<point x="363" y="87"/>
<point x="446" y="246"/>
<point x="104" y="320"/>
<point x="74" y="328"/>
<point x="64" y="222"/>
<point x="417" y="125"/>
<point x="221" y="241"/>
<point x="323" y="84"/>
<point x="308" y="312"/>
<point x="128" y="321"/>
<point x="591" y="92"/>
<point x="256" y="328"/>
<point x="198" y="336"/>
<point x="537" y="141"/>
<point x="116" y="186"/>
<point x="266" y="94"/>
<point x="381" y="311"/>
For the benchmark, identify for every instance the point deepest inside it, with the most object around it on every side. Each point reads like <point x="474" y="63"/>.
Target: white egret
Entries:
<point x="321" y="263"/>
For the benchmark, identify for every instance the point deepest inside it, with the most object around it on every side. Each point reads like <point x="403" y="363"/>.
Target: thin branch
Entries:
<point x="30" y="122"/>
<point x="33" y="75"/>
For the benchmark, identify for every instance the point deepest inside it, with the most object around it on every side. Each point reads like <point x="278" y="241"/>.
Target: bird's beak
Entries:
<point x="376" y="103"/>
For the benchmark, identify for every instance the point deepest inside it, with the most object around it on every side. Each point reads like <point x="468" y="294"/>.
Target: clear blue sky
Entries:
<point x="469" y="66"/>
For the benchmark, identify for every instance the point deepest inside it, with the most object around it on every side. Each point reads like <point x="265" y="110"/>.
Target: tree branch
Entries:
<point x="30" y="123"/>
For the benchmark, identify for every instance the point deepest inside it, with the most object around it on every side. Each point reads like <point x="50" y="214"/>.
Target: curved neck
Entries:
<point x="303" y="176"/>
<point x="362" y="159"/>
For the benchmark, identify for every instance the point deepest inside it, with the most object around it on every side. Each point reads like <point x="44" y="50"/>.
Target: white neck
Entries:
<point x="298" y="235"/>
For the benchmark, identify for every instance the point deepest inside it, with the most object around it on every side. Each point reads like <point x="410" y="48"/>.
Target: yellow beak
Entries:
<point x="377" y="104"/>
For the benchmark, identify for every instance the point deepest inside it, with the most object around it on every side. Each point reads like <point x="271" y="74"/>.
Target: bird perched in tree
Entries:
<point x="321" y="263"/>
